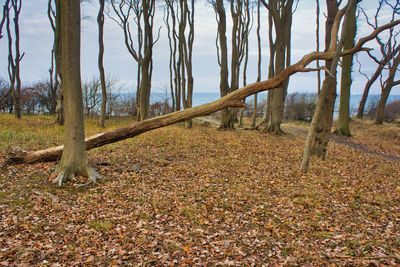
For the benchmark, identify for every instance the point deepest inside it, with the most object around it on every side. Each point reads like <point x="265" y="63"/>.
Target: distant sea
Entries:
<point x="203" y="98"/>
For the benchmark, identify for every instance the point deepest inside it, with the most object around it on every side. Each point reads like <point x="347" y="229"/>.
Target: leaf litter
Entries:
<point x="203" y="197"/>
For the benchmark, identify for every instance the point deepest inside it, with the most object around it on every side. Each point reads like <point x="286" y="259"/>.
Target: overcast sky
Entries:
<point x="37" y="39"/>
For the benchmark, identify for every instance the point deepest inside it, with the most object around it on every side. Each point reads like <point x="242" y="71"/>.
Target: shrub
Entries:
<point x="391" y="113"/>
<point x="300" y="106"/>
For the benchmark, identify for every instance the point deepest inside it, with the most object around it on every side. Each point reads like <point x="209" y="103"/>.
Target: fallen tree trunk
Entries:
<point x="234" y="99"/>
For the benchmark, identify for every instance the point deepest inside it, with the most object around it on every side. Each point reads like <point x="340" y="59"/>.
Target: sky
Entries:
<point x="37" y="39"/>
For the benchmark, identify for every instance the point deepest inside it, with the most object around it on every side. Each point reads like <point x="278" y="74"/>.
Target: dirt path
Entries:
<point x="347" y="142"/>
<point x="337" y="139"/>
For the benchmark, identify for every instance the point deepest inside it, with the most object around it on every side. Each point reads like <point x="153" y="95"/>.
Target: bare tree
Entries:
<point x="271" y="73"/>
<point x="143" y="12"/>
<point x="14" y="7"/>
<point x="259" y="61"/>
<point x="234" y="99"/>
<point x="3" y="18"/>
<point x="100" y="22"/>
<point x="281" y="13"/>
<point x="73" y="161"/>
<point x="319" y="130"/>
<point x="92" y="96"/>
<point x="317" y="42"/>
<point x="54" y="16"/>
<point x="240" y="20"/>
<point x="170" y="17"/>
<point x="343" y="122"/>
<point x="325" y="117"/>
<point x="179" y="14"/>
<point x="389" y="50"/>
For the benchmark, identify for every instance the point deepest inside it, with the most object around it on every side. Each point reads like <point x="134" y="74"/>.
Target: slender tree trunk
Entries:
<point x="271" y="73"/>
<point x="343" y="123"/>
<point x="14" y="61"/>
<point x="386" y="90"/>
<point x="259" y="61"/>
<point x="322" y="120"/>
<point x="324" y="123"/>
<point x="363" y="101"/>
<point x="17" y="4"/>
<point x="169" y="12"/>
<point x="100" y="22"/>
<point x="282" y="17"/>
<point x="57" y="48"/>
<point x="188" y="49"/>
<point x="223" y="61"/>
<point x="73" y="161"/>
<point x="3" y="18"/>
<point x="145" y="83"/>
<point x="317" y="41"/>
<point x="374" y="77"/>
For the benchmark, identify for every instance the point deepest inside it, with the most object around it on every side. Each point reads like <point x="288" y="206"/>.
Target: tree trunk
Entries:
<point x="363" y="101"/>
<point x="146" y="65"/>
<point x="100" y="22"/>
<point x="317" y="42"/>
<point x="3" y="18"/>
<point x="386" y="90"/>
<point x="57" y="47"/>
<point x="259" y="61"/>
<point x="282" y="18"/>
<point x="223" y="61"/>
<point x="18" y="57"/>
<point x="271" y="73"/>
<point x="14" y="61"/>
<point x="73" y="161"/>
<point x="322" y="120"/>
<point x="324" y="123"/>
<point x="343" y="123"/>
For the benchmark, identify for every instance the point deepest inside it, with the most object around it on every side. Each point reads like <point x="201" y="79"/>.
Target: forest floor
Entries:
<point x="175" y="196"/>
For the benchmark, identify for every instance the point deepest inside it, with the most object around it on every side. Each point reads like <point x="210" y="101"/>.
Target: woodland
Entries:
<point x="86" y="179"/>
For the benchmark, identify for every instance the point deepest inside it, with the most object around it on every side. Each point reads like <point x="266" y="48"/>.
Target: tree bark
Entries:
<point x="324" y="123"/>
<point x="271" y="73"/>
<point x="320" y="126"/>
<point x="363" y="101"/>
<point x="282" y="18"/>
<point x="14" y="60"/>
<point x="317" y="42"/>
<point x="259" y="61"/>
<point x="223" y="60"/>
<point x="57" y="48"/>
<point x="100" y="22"/>
<point x="234" y="99"/>
<point x="73" y="161"/>
<point x="3" y="18"/>
<point x="343" y="123"/>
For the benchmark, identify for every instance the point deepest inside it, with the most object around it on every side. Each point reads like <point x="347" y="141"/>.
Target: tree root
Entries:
<point x="65" y="175"/>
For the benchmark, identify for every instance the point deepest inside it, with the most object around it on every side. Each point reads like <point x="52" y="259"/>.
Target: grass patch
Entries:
<point x="101" y="225"/>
